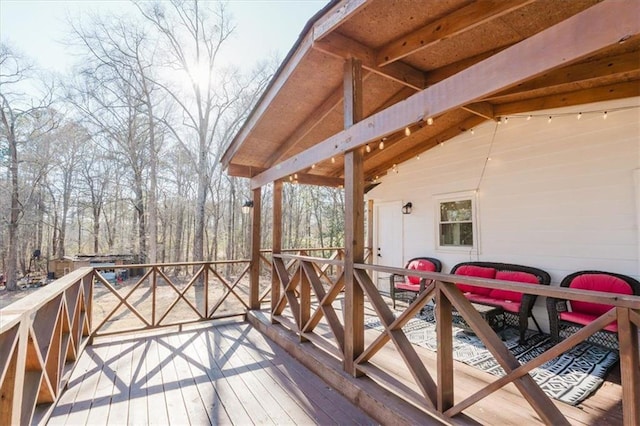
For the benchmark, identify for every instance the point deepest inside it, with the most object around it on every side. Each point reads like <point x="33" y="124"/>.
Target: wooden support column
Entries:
<point x="276" y="244"/>
<point x="370" y="230"/>
<point x="445" y="351"/>
<point x="254" y="272"/>
<point x="629" y="355"/>
<point x="354" y="221"/>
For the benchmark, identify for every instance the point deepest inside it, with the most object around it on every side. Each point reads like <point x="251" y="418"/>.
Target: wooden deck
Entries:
<point x="505" y="407"/>
<point x="228" y="374"/>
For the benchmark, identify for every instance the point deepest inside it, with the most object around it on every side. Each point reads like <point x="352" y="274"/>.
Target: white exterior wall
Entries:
<point x="561" y="196"/>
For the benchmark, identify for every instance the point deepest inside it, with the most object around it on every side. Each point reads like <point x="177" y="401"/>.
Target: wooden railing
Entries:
<point x="302" y="289"/>
<point x="170" y="294"/>
<point x="43" y="334"/>
<point x="325" y="271"/>
<point x="41" y="337"/>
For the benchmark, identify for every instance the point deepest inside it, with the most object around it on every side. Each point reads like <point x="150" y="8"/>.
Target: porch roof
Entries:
<point x="457" y="62"/>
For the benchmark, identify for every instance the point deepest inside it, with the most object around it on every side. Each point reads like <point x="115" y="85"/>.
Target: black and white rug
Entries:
<point x="571" y="377"/>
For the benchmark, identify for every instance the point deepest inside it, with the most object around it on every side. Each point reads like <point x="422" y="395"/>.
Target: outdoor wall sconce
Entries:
<point x="247" y="206"/>
<point x="406" y="209"/>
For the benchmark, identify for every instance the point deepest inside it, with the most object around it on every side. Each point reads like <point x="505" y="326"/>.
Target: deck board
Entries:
<point x="603" y="407"/>
<point x="227" y="374"/>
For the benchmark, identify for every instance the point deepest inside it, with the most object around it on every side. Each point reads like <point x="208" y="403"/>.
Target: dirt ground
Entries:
<point x="8" y="297"/>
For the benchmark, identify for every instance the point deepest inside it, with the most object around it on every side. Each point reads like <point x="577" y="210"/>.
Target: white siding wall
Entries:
<point x="560" y="196"/>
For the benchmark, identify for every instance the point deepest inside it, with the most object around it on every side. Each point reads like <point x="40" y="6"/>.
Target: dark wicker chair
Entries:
<point x="566" y="317"/>
<point x="517" y="306"/>
<point x="407" y="288"/>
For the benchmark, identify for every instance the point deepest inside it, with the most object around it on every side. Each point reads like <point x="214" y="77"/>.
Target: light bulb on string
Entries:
<point x="471" y="130"/>
<point x="579" y="116"/>
<point x="529" y="117"/>
<point x="506" y="120"/>
<point x="604" y="116"/>
<point x="367" y="148"/>
<point x="313" y="166"/>
<point x="333" y="160"/>
<point x="381" y="145"/>
<point x="407" y="131"/>
<point x="549" y="121"/>
<point x="430" y="121"/>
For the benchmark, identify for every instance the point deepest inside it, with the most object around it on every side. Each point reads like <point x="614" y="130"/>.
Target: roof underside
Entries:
<point x="405" y="49"/>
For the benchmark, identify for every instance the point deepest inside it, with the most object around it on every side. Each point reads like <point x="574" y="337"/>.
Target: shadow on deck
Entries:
<point x="227" y="374"/>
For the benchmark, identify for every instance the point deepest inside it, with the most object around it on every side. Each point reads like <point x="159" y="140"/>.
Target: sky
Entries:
<point x="37" y="28"/>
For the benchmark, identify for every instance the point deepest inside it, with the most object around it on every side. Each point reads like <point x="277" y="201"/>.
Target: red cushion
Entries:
<point x="475" y="271"/>
<point x="486" y="300"/>
<point x="514" y="296"/>
<point x="420" y="265"/>
<point x="597" y="282"/>
<point x="408" y="287"/>
<point x="584" y="319"/>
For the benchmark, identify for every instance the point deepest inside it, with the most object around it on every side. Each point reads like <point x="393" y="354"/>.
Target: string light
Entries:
<point x="418" y="157"/>
<point x="290" y="178"/>
<point x="367" y="148"/>
<point x="333" y="160"/>
<point x="577" y="115"/>
<point x="506" y="120"/>
<point x="407" y="131"/>
<point x="295" y="176"/>
<point x="472" y="132"/>
<point x="313" y="166"/>
<point x="430" y="121"/>
<point x="381" y="144"/>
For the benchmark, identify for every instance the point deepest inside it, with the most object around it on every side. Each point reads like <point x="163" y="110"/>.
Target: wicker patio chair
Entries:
<point x="408" y="287"/>
<point x="566" y="317"/>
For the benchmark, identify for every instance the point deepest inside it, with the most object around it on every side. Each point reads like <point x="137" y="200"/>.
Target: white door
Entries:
<point x="388" y="242"/>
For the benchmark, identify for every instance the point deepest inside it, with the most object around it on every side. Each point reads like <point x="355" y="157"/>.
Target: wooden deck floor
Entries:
<point x="228" y="374"/>
<point x="504" y="407"/>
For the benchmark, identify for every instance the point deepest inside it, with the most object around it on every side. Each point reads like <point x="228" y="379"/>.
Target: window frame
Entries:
<point x="439" y="199"/>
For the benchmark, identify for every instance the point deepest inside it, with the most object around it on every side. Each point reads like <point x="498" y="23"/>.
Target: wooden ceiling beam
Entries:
<point x="457" y="22"/>
<point x="509" y="67"/>
<point x="330" y="103"/>
<point x="424" y="145"/>
<point x="336" y="17"/>
<point x="580" y="97"/>
<point x="239" y="170"/>
<point x="344" y="47"/>
<point x="482" y="109"/>
<point x="317" y="180"/>
<point x="616" y="66"/>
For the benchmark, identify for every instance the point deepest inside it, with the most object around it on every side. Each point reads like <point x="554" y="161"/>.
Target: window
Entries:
<point x="456" y="221"/>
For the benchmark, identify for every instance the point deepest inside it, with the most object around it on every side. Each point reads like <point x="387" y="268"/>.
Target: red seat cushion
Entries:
<point x="584" y="319"/>
<point x="514" y="296"/>
<point x="486" y="300"/>
<point x="420" y="265"/>
<point x="475" y="271"/>
<point x="597" y="282"/>
<point x="408" y="287"/>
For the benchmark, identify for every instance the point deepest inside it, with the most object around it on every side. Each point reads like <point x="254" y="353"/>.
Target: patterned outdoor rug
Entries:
<point x="570" y="378"/>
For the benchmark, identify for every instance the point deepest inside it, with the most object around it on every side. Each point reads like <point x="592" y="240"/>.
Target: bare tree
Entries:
<point x="20" y="119"/>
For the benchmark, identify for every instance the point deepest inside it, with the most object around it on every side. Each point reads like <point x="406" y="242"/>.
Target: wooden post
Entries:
<point x="276" y="243"/>
<point x="254" y="272"/>
<point x="445" y="351"/>
<point x="370" y="231"/>
<point x="354" y="221"/>
<point x="629" y="353"/>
